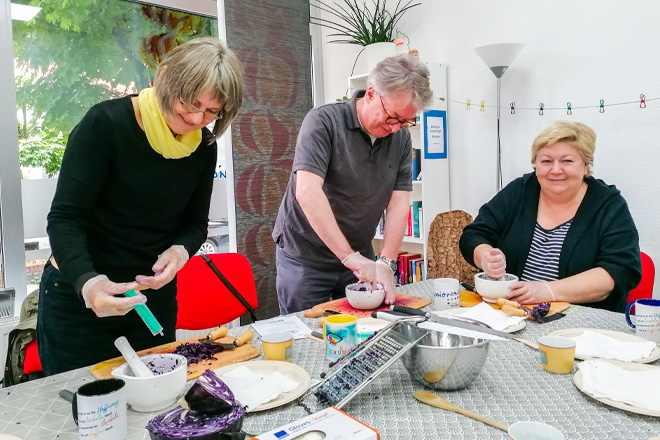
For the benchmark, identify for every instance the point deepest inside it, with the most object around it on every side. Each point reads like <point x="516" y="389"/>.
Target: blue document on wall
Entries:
<point x="435" y="134"/>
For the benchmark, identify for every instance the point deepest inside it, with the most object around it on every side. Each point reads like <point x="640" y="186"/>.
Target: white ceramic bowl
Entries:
<point x="490" y="289"/>
<point x="146" y="394"/>
<point x="360" y="296"/>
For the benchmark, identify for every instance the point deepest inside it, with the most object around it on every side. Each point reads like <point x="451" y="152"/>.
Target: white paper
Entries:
<point x="593" y="344"/>
<point x="638" y="388"/>
<point x="496" y="319"/>
<point x="254" y="389"/>
<point x="290" y="324"/>
<point x="435" y="134"/>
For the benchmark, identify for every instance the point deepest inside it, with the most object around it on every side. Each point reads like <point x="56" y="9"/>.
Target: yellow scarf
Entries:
<point x="159" y="135"/>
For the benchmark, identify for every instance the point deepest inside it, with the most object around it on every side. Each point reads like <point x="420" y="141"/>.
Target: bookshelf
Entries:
<point x="433" y="188"/>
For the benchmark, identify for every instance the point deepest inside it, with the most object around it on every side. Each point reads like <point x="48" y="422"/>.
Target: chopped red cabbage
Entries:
<point x="196" y="352"/>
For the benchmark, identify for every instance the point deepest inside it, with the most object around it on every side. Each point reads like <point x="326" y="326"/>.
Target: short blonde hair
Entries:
<point x="201" y="65"/>
<point x="576" y="134"/>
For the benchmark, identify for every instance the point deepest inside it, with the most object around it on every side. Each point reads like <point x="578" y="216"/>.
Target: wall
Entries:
<point x="580" y="52"/>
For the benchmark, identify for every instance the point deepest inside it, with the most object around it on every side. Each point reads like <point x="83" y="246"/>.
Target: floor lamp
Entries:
<point x="498" y="57"/>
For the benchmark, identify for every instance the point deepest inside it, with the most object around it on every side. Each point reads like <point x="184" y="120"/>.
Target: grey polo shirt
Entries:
<point x="358" y="180"/>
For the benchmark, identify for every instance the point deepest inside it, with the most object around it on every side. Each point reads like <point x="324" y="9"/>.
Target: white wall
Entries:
<point x="580" y="52"/>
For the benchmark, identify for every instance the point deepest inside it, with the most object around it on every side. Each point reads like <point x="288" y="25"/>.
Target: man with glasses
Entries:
<point x="352" y="162"/>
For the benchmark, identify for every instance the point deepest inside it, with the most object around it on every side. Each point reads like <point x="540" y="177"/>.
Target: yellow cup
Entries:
<point x="557" y="354"/>
<point x="277" y="346"/>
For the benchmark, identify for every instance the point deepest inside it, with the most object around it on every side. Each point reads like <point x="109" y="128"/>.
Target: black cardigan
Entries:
<point x="602" y="234"/>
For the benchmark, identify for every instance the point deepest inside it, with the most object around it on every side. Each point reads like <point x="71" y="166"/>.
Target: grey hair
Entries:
<point x="402" y="73"/>
<point x="201" y="65"/>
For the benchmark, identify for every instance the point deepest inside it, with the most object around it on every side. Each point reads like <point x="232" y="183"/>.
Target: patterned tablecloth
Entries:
<point x="511" y="387"/>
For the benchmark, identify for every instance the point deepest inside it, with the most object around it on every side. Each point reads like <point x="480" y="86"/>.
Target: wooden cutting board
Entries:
<point x="470" y="299"/>
<point x="245" y="352"/>
<point x="400" y="299"/>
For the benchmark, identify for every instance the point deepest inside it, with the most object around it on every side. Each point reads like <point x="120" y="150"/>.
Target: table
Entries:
<point x="511" y="387"/>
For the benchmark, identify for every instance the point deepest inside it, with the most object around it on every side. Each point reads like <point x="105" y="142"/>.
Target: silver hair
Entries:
<point x="402" y="73"/>
<point x="201" y="65"/>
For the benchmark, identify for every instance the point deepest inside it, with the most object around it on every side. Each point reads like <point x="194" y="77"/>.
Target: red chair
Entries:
<point x="32" y="363"/>
<point x="645" y="287"/>
<point x="204" y="300"/>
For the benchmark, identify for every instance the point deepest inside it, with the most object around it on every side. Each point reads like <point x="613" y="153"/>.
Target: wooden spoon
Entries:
<point x="440" y="402"/>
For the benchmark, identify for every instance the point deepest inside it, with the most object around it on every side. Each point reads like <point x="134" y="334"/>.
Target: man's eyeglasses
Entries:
<point x="208" y="115"/>
<point x="403" y="123"/>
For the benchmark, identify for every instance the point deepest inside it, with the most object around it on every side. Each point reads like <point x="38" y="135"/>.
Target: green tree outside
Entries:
<point x="76" y="53"/>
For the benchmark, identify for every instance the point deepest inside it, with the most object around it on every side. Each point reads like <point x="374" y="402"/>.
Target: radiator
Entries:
<point x="7" y="324"/>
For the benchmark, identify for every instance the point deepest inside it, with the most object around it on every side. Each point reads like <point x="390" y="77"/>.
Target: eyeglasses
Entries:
<point x="208" y="115"/>
<point x="403" y="123"/>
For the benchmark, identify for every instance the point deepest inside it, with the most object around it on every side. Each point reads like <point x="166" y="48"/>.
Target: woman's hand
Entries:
<point x="166" y="267"/>
<point x="493" y="264"/>
<point x="99" y="295"/>
<point x="531" y="292"/>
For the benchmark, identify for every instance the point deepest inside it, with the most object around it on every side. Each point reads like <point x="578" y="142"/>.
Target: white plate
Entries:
<point x="619" y="336"/>
<point x="577" y="380"/>
<point x="510" y="329"/>
<point x="293" y="372"/>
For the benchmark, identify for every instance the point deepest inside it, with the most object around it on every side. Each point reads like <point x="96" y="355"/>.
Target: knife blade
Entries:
<point x="454" y="324"/>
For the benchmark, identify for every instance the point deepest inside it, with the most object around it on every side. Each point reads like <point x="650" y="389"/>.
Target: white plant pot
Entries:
<point x="377" y="52"/>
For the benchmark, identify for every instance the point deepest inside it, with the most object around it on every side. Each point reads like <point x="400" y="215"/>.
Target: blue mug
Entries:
<point x="647" y="318"/>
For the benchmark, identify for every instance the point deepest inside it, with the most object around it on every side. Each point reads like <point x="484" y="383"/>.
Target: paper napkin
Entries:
<point x="496" y="319"/>
<point x="603" y="379"/>
<point x="254" y="389"/>
<point x="594" y="344"/>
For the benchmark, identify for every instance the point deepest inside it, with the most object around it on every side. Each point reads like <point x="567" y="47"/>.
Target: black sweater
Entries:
<point x="119" y="204"/>
<point x="602" y="234"/>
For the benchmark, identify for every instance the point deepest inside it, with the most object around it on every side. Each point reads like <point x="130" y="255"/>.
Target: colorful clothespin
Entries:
<point x="483" y="106"/>
<point x="642" y="100"/>
<point x="468" y="103"/>
<point x="602" y="106"/>
<point x="568" y="108"/>
<point x="513" y="107"/>
<point x="541" y="105"/>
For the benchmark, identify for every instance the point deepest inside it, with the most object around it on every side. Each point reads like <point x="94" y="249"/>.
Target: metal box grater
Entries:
<point x="358" y="368"/>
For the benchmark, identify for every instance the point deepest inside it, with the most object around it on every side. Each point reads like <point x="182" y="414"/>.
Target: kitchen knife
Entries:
<point x="455" y="325"/>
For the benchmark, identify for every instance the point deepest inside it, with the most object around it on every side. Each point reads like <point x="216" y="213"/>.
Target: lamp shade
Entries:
<point x="498" y="57"/>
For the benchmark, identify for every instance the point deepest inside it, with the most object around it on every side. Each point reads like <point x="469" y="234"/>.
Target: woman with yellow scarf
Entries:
<point x="132" y="205"/>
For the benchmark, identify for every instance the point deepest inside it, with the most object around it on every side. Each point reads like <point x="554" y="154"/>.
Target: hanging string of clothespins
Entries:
<point x="542" y="107"/>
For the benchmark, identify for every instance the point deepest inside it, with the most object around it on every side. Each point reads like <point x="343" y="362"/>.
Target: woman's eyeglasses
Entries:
<point x="208" y="115"/>
<point x="403" y="123"/>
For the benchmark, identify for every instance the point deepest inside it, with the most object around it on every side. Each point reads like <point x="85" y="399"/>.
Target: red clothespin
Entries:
<point x="642" y="100"/>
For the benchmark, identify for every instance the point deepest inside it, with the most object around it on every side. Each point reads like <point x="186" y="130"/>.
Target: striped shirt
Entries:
<point x="543" y="259"/>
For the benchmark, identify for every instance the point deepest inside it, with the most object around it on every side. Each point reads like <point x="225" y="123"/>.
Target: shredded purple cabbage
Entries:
<point x="179" y="423"/>
<point x="541" y="310"/>
<point x="196" y="352"/>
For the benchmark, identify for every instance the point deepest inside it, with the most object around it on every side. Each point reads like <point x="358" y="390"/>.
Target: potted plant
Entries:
<point x="355" y="23"/>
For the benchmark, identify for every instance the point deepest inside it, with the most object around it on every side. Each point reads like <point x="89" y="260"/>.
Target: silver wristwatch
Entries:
<point x="390" y="262"/>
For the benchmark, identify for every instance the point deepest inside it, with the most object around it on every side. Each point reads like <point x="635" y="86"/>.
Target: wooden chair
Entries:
<point x="444" y="257"/>
<point x="645" y="287"/>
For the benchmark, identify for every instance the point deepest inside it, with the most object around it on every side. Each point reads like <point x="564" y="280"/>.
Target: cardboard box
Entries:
<point x="334" y="423"/>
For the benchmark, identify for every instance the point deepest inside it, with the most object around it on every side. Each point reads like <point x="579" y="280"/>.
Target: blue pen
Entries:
<point x="146" y="315"/>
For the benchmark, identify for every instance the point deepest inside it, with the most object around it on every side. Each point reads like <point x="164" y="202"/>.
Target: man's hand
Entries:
<point x="363" y="268"/>
<point x="385" y="277"/>
<point x="166" y="267"/>
<point x="99" y="295"/>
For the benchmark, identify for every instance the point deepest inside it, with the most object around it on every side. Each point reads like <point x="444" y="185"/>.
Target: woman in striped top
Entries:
<point x="566" y="235"/>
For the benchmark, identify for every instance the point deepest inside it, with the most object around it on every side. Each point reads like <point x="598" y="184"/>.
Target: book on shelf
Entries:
<point x="416" y="211"/>
<point x="416" y="163"/>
